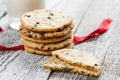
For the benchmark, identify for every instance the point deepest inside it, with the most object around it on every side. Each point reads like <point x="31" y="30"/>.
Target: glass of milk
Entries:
<point x="17" y="7"/>
<point x="2" y="10"/>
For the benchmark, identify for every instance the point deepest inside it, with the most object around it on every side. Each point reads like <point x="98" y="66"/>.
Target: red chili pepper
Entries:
<point x="101" y="29"/>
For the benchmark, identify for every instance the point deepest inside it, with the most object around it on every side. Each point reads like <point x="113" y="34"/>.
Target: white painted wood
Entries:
<point x="77" y="10"/>
<point x="19" y="65"/>
<point x="87" y="14"/>
<point x="99" y="45"/>
<point x="111" y="63"/>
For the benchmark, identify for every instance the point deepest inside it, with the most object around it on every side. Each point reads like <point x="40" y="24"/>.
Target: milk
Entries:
<point x="17" y="7"/>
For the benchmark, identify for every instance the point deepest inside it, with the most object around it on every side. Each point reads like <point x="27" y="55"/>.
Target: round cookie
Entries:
<point x="51" y="40"/>
<point x="48" y="47"/>
<point x="32" y="34"/>
<point x="35" y="51"/>
<point x="45" y="20"/>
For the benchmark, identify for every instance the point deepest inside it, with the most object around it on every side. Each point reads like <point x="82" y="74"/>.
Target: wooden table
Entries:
<point x="87" y="14"/>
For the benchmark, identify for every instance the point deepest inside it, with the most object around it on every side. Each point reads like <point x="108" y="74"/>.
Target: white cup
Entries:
<point x="17" y="7"/>
<point x="2" y="10"/>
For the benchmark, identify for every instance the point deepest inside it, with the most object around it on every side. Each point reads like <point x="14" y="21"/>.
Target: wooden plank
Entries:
<point x="111" y="62"/>
<point x="98" y="45"/>
<point x="19" y="65"/>
<point x="77" y="9"/>
<point x="92" y="20"/>
<point x="23" y="73"/>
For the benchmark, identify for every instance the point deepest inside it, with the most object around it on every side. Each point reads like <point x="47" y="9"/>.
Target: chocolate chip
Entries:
<point x="41" y="34"/>
<point x="66" y="68"/>
<point x="29" y="35"/>
<point x="37" y="23"/>
<point x="49" y="17"/>
<point x="28" y="31"/>
<point x="95" y="64"/>
<point x="27" y="15"/>
<point x="59" y="29"/>
<point x="65" y="46"/>
<point x="20" y="29"/>
<point x="35" y="36"/>
<point x="57" y="56"/>
<point x="51" y="14"/>
<point x="51" y="68"/>
<point x="24" y="32"/>
<point x="54" y="48"/>
<point x="64" y="26"/>
<point x="88" y="74"/>
<point x="34" y="52"/>
<point x="48" y="48"/>
<point x="42" y="47"/>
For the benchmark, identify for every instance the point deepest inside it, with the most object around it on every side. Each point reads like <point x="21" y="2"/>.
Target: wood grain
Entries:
<point x="87" y="14"/>
<point x="100" y="44"/>
<point x="19" y="65"/>
<point x="77" y="10"/>
<point x="111" y="63"/>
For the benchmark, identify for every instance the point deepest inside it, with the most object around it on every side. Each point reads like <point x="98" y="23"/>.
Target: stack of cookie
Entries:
<point x="43" y="31"/>
<point x="73" y="61"/>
